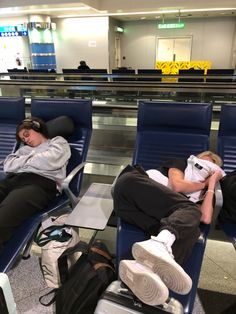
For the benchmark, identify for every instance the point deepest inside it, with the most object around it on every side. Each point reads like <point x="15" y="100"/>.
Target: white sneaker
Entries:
<point x="147" y="286"/>
<point x="155" y="255"/>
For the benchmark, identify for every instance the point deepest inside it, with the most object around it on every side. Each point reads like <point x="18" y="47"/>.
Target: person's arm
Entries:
<point x="180" y="185"/>
<point x="207" y="206"/>
<point x="53" y="158"/>
<point x="15" y="161"/>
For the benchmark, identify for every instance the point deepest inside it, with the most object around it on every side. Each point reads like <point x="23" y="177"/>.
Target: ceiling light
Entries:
<point x="150" y="12"/>
<point x="9" y="10"/>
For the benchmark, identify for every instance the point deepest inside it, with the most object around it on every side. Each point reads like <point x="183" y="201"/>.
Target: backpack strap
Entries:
<point x="100" y="252"/>
<point x="62" y="261"/>
<point x="100" y="265"/>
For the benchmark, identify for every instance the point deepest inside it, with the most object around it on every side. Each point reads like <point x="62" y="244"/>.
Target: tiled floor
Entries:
<point x="217" y="284"/>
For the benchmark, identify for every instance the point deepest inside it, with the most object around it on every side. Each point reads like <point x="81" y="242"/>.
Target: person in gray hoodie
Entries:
<point x="33" y="175"/>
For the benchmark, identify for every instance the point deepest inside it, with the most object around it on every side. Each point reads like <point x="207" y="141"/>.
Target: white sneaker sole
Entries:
<point x="145" y="285"/>
<point x="170" y="272"/>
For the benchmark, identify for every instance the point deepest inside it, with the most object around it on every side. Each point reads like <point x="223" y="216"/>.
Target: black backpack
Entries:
<point x="84" y="283"/>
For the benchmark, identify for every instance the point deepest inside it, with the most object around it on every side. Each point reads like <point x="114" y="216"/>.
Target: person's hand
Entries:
<point x="214" y="178"/>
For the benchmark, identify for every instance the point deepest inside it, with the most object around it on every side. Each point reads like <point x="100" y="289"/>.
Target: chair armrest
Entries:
<point x="219" y="196"/>
<point x="218" y="204"/>
<point x="65" y="184"/>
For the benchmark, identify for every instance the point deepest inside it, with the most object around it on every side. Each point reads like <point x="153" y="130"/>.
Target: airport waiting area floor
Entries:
<point x="216" y="291"/>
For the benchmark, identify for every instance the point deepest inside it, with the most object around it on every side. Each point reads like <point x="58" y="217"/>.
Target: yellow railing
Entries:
<point x="173" y="67"/>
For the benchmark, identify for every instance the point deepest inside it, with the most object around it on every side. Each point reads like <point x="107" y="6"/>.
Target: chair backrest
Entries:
<point x="123" y="72"/>
<point x="221" y="73"/>
<point x="70" y="71"/>
<point x="12" y="112"/>
<point x="15" y="70"/>
<point x="227" y="136"/>
<point x="170" y="130"/>
<point x="193" y="73"/>
<point x="99" y="71"/>
<point x="150" y="72"/>
<point x="80" y="111"/>
<point x="41" y="78"/>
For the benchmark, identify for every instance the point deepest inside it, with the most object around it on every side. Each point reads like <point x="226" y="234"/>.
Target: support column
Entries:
<point x="41" y="42"/>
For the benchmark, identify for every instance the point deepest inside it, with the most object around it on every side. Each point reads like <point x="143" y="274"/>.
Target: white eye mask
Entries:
<point x="197" y="171"/>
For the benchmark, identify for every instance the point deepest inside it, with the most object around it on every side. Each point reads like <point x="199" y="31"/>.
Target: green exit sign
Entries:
<point x="171" y="25"/>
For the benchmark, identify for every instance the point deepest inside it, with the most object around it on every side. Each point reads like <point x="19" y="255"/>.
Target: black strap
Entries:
<point x="62" y="261"/>
<point x="53" y="299"/>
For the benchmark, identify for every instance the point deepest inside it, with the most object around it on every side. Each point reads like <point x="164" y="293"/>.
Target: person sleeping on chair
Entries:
<point x="168" y="204"/>
<point x="33" y="174"/>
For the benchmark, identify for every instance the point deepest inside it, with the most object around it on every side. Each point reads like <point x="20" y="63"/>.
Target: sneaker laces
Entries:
<point x="167" y="247"/>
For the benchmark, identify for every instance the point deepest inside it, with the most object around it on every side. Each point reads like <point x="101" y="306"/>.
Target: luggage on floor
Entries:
<point x="117" y="299"/>
<point x="86" y="280"/>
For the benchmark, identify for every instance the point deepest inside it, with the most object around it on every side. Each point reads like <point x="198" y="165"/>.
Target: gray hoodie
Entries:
<point x="49" y="159"/>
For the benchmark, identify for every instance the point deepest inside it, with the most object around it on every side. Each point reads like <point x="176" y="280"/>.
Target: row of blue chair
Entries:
<point x="164" y="130"/>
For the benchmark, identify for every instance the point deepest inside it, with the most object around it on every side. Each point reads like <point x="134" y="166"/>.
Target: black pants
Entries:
<point x="153" y="207"/>
<point x="22" y="195"/>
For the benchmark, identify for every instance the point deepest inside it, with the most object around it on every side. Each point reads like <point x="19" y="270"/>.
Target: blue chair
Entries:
<point x="227" y="150"/>
<point x="80" y="111"/>
<point x="165" y="131"/>
<point x="12" y="111"/>
<point x="227" y="137"/>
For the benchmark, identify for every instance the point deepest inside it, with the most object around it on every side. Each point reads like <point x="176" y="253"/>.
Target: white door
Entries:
<point x="174" y="49"/>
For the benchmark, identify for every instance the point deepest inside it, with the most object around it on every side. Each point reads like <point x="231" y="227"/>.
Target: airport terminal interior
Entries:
<point x="189" y="58"/>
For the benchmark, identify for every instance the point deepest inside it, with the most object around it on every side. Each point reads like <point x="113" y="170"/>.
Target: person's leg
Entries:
<point x="179" y="231"/>
<point x="154" y="207"/>
<point x="143" y="202"/>
<point x="4" y="189"/>
<point x="21" y="203"/>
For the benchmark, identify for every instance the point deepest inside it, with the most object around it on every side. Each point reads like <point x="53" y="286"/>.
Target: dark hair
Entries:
<point x="33" y="123"/>
<point x="82" y="62"/>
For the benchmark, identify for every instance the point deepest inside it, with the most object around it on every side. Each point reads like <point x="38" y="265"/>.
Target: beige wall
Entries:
<point x="81" y="39"/>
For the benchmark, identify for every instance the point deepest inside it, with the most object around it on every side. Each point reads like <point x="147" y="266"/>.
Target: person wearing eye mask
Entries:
<point x="33" y="175"/>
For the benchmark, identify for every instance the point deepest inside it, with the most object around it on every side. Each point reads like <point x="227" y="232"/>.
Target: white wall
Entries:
<point x="78" y="39"/>
<point x="12" y="47"/>
<point x="212" y="40"/>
